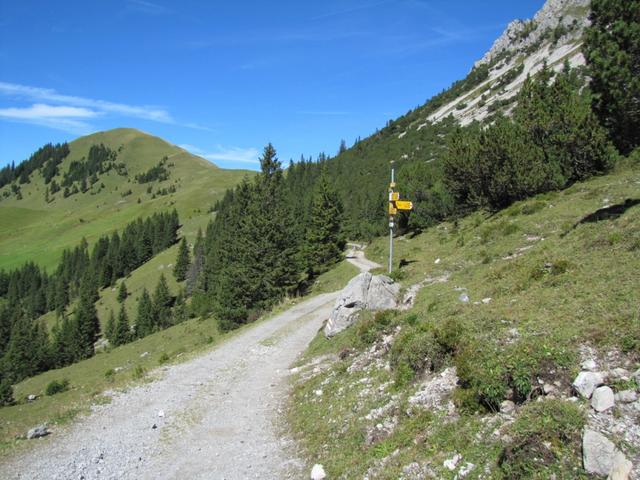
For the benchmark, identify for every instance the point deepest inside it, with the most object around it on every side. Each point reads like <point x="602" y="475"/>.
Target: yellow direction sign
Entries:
<point x="394" y="196"/>
<point x="404" y="205"/>
<point x="392" y="210"/>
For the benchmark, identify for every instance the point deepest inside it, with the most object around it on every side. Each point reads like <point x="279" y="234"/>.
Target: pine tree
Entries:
<point x="182" y="261"/>
<point x="65" y="350"/>
<point x="6" y="393"/>
<point x="110" y="329"/>
<point x="122" y="333"/>
<point x="27" y="350"/>
<point x="145" y="323"/>
<point x="197" y="265"/>
<point x="86" y="320"/>
<point x="122" y="292"/>
<point x="162" y="301"/>
<point x="612" y="51"/>
<point x="324" y="241"/>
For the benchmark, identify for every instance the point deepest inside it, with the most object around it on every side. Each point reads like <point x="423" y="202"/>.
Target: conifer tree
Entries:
<point x="27" y="350"/>
<point x="65" y="343"/>
<point x="6" y="392"/>
<point x="122" y="292"/>
<point x="324" y="241"/>
<point x="182" y="261"/>
<point x="145" y="323"/>
<point x="162" y="301"/>
<point x="110" y="328"/>
<point x="612" y="51"/>
<point x="86" y="320"/>
<point x="122" y="333"/>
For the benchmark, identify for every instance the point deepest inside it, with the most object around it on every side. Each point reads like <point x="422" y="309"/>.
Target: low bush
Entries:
<point x="56" y="386"/>
<point x="370" y="326"/>
<point x="546" y="442"/>
<point x="415" y="350"/>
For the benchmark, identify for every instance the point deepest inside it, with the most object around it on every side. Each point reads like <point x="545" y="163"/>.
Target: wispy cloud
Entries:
<point x="150" y="8"/>
<point x="226" y="154"/>
<point x="58" y="117"/>
<point x="49" y="95"/>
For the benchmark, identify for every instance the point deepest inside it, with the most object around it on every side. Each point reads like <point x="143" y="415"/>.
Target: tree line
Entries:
<point x="47" y="158"/>
<point x="29" y="292"/>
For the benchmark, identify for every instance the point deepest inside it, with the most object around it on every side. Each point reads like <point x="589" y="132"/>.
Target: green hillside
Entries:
<point x="32" y="229"/>
<point x="513" y="300"/>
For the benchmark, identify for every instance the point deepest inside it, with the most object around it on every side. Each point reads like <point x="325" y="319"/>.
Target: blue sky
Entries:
<point x="224" y="78"/>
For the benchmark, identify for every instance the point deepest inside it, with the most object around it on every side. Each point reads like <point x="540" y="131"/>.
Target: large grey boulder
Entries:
<point x="597" y="453"/>
<point x="383" y="293"/>
<point x="586" y="382"/>
<point x="363" y="292"/>
<point x="621" y="469"/>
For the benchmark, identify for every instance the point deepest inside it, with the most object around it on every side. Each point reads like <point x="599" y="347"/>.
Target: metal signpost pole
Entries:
<point x="391" y="218"/>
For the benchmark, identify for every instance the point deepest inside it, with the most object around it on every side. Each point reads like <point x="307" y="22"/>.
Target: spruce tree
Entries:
<point x="6" y="393"/>
<point x="323" y="240"/>
<point x="86" y="321"/>
<point x="612" y="51"/>
<point x="122" y="292"/>
<point x="162" y="301"/>
<point x="110" y="328"/>
<point x="122" y="333"/>
<point x="27" y="351"/>
<point x="182" y="261"/>
<point x="145" y="323"/>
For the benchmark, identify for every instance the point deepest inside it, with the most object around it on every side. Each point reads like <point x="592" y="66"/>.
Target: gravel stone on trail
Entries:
<point x="219" y="415"/>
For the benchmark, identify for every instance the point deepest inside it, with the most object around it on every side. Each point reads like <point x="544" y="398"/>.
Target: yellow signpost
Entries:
<point x="404" y="205"/>
<point x="395" y="204"/>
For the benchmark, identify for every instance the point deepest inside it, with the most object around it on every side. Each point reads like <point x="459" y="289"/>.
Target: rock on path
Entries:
<point x="219" y="420"/>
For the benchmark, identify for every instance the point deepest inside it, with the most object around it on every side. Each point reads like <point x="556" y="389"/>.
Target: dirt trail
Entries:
<point x="215" y="416"/>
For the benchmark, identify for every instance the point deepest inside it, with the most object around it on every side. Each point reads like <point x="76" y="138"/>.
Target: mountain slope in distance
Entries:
<point x="34" y="229"/>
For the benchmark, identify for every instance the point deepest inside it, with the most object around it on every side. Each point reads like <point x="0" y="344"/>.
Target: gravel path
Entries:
<point x="212" y="417"/>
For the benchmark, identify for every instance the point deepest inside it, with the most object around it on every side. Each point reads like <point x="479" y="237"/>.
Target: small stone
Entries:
<point x="39" y="431"/>
<point x="437" y="262"/>
<point x="586" y="382"/>
<point x="318" y="393"/>
<point x="548" y="389"/>
<point x="317" y="472"/>
<point x="507" y="407"/>
<point x="487" y="300"/>
<point x="465" y="470"/>
<point x="597" y="453"/>
<point x="451" y="463"/>
<point x="621" y="469"/>
<point x="602" y="399"/>
<point x="154" y="426"/>
<point x="626" y="396"/>
<point x="144" y="354"/>
<point x="161" y="413"/>
<point x="589" y="365"/>
<point x="31" y="398"/>
<point x="464" y="298"/>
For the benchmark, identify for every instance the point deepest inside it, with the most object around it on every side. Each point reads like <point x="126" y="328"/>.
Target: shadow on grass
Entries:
<point x="608" y="213"/>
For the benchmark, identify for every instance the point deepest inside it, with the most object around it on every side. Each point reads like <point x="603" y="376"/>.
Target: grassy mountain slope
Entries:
<point x="557" y="273"/>
<point x="33" y="230"/>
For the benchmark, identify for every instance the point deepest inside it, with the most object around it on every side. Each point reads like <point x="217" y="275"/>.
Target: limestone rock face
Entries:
<point x="363" y="292"/>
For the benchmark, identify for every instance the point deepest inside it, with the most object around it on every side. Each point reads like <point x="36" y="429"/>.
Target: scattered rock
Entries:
<point x="621" y="469"/>
<point x="602" y="399"/>
<point x="31" y="397"/>
<point x="161" y="413"/>
<point x="144" y="354"/>
<point x="433" y="392"/>
<point x="507" y="407"/>
<point x="626" y="396"/>
<point x="586" y="382"/>
<point x="597" y="453"/>
<point x="452" y="463"/>
<point x="37" y="432"/>
<point x="464" y="298"/>
<point x="317" y="472"/>
<point x="437" y="262"/>
<point x="318" y="393"/>
<point x="589" y="365"/>
<point x="465" y="470"/>
<point x="487" y="300"/>
<point x="619" y="374"/>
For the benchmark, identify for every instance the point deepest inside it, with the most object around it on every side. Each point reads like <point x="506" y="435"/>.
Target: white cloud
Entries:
<point x="226" y="154"/>
<point x="46" y="94"/>
<point x="40" y="111"/>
